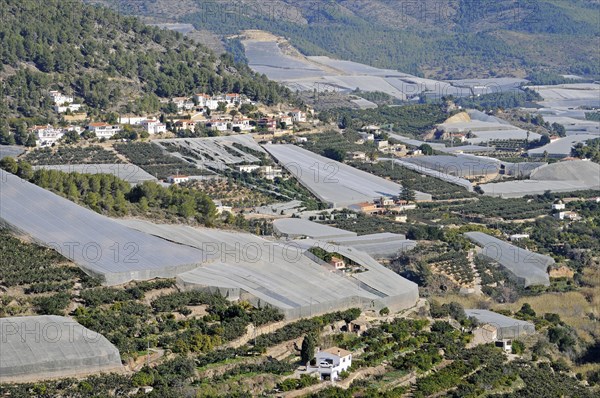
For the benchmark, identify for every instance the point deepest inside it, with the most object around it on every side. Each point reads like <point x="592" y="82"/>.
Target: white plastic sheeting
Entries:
<point x="333" y="182"/>
<point x="528" y="267"/>
<point x="99" y="245"/>
<point x="39" y="347"/>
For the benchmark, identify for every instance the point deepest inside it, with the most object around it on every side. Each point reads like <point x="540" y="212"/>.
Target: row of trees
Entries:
<point x="105" y="193"/>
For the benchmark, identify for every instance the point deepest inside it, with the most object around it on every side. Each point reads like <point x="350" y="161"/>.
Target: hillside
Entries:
<point x="435" y="38"/>
<point x="109" y="61"/>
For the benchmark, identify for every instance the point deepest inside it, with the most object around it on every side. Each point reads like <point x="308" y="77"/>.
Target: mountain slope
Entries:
<point x="436" y="38"/>
<point x="107" y="60"/>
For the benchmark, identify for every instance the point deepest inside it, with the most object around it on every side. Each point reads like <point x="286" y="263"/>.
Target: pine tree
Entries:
<point x="307" y="352"/>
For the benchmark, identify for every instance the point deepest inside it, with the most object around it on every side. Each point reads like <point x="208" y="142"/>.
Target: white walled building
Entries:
<point x="178" y="179"/>
<point x="154" y="126"/>
<point x="332" y="361"/>
<point x="132" y="119"/>
<point x="298" y="116"/>
<point x="47" y="135"/>
<point x="104" y="130"/>
<point x="183" y="103"/>
<point x="65" y="108"/>
<point x="248" y="168"/>
<point x="206" y="101"/>
<point x="243" y="124"/>
<point x="60" y="99"/>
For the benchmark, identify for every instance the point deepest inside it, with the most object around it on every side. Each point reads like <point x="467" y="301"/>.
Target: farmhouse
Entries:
<point x="132" y="119"/>
<point x="60" y="99"/>
<point x="177" y="179"/>
<point x="47" y="135"/>
<point x="103" y="130"/>
<point x="332" y="361"/>
<point x="337" y="263"/>
<point x="268" y="123"/>
<point x="248" y="168"/>
<point x="298" y="116"/>
<point x="153" y="126"/>
<point x="186" y="124"/>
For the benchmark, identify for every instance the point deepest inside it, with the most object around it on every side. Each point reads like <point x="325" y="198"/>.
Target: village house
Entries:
<point x="47" y="135"/>
<point x="233" y="100"/>
<point x="104" y="130"/>
<point x="247" y="168"/>
<point x="206" y="101"/>
<point x="567" y="215"/>
<point x="287" y="120"/>
<point x="382" y="144"/>
<point x="154" y="126"/>
<point x="337" y="263"/>
<point x="242" y="123"/>
<point x="60" y="99"/>
<point x="186" y="124"/>
<point x="67" y="107"/>
<point x="268" y="123"/>
<point x="332" y="361"/>
<point x="298" y="116"/>
<point x="183" y="103"/>
<point x="217" y="125"/>
<point x="518" y="237"/>
<point x="366" y="207"/>
<point x="178" y="179"/>
<point x="221" y="208"/>
<point x="132" y="119"/>
<point x="270" y="172"/>
<point x="558" y="205"/>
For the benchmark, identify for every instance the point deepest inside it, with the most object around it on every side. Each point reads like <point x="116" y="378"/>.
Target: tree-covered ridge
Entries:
<point x="440" y="38"/>
<point x="104" y="58"/>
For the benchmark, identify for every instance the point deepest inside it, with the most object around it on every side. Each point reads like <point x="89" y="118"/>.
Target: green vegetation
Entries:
<point x="102" y="57"/>
<point x="156" y="161"/>
<point x="409" y="120"/>
<point x="71" y="155"/>
<point x="105" y="193"/>
<point x="503" y="100"/>
<point x="440" y="190"/>
<point x="590" y="150"/>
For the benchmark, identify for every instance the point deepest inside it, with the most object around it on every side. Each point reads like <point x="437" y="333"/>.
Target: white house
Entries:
<point x="242" y="123"/>
<point x="248" y="168"/>
<point x="298" y="116"/>
<point x="567" y="215"/>
<point x="332" y="361"/>
<point x="104" y="130"/>
<point x="382" y="144"/>
<point x="270" y="172"/>
<point x="517" y="237"/>
<point x="221" y="208"/>
<point x="206" y="101"/>
<point x="559" y="205"/>
<point x="154" y="126"/>
<point x="233" y="99"/>
<point x="217" y="125"/>
<point x="183" y="103"/>
<point x="177" y="179"/>
<point x="59" y="98"/>
<point x="337" y="263"/>
<point x="132" y="119"/>
<point x="47" y="135"/>
<point x="67" y="107"/>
